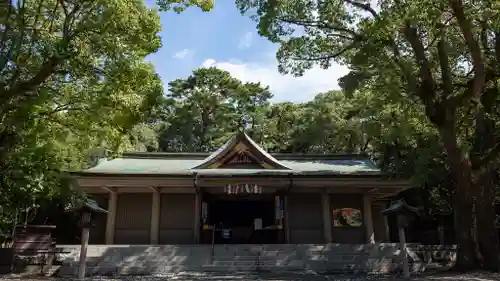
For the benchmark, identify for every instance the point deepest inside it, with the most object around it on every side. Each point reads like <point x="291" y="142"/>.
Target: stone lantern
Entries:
<point x="405" y="214"/>
<point x="85" y="210"/>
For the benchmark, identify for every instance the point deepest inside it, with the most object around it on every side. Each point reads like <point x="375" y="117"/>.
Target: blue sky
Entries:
<point x="228" y="40"/>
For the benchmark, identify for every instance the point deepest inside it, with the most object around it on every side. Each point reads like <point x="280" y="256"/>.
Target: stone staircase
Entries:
<point x="165" y="259"/>
<point x="254" y="258"/>
<point x="233" y="258"/>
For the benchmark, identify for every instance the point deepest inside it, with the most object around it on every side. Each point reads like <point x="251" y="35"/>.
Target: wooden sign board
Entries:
<point x="242" y="189"/>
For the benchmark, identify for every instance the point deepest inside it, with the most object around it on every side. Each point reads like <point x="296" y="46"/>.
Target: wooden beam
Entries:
<point x="384" y="196"/>
<point x="143" y="181"/>
<point x="109" y="189"/>
<point x="154" y="189"/>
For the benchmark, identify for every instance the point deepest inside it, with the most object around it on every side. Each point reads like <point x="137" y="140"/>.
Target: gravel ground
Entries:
<point x="286" y="276"/>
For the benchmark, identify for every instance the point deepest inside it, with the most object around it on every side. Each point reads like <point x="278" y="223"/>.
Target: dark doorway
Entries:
<point x="237" y="215"/>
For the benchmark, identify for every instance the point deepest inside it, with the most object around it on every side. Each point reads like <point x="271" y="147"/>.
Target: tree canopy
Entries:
<point x="444" y="54"/>
<point x="73" y="82"/>
<point x="181" y="5"/>
<point x="203" y="110"/>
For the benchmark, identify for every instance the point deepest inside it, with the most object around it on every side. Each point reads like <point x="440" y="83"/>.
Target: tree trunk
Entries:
<point x="485" y="176"/>
<point x="486" y="232"/>
<point x="463" y="200"/>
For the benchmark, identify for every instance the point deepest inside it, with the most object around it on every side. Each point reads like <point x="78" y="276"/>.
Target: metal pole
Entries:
<point x="84" y="245"/>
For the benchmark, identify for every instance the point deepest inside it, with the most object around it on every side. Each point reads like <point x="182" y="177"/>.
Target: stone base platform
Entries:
<point x="112" y="260"/>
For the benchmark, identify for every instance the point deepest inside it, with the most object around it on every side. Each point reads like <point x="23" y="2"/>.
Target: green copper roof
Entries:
<point x="195" y="163"/>
<point x="183" y="166"/>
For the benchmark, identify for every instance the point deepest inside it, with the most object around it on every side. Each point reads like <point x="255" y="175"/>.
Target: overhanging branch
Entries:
<point x="321" y="25"/>
<point x="363" y="6"/>
<point x="490" y="75"/>
<point x="43" y="74"/>
<point x="327" y="57"/>
<point x="473" y="46"/>
<point x="445" y="66"/>
<point x="50" y="65"/>
<point x="428" y="92"/>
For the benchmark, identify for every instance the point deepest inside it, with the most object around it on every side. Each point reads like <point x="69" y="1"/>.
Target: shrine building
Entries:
<point x="262" y="198"/>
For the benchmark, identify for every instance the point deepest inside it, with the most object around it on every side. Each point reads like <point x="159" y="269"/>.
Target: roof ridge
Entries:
<point x="278" y="155"/>
<point x="138" y="154"/>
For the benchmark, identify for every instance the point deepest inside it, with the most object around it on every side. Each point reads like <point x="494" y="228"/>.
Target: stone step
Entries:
<point x="125" y="259"/>
<point x="251" y="258"/>
<point x="210" y="268"/>
<point x="234" y="262"/>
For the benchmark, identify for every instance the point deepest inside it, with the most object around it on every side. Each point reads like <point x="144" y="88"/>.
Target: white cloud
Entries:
<point x="183" y="54"/>
<point x="246" y="41"/>
<point x="284" y="87"/>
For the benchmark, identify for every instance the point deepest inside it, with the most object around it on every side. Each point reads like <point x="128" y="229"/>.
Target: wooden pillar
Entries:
<point x="327" y="217"/>
<point x="197" y="218"/>
<point x="387" y="229"/>
<point x="286" y="222"/>
<point x="368" y="219"/>
<point x="155" y="217"/>
<point x="280" y="217"/>
<point x="441" y="233"/>
<point x="111" y="217"/>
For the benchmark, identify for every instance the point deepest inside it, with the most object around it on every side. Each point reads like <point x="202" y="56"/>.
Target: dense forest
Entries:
<point x="421" y="98"/>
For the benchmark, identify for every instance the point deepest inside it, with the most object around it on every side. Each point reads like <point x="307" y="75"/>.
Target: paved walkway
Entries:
<point x="285" y="276"/>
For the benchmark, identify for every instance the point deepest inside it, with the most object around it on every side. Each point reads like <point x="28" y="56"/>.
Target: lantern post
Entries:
<point x="85" y="211"/>
<point x="404" y="214"/>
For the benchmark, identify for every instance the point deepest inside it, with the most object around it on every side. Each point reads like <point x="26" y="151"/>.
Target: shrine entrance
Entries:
<point x="249" y="219"/>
